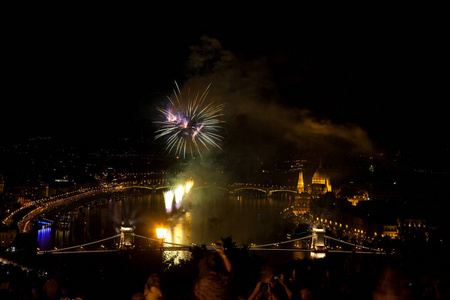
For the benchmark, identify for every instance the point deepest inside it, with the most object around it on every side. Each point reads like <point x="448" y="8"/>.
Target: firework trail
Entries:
<point x="179" y="192"/>
<point x="190" y="124"/>
<point x="188" y="185"/>
<point x="168" y="200"/>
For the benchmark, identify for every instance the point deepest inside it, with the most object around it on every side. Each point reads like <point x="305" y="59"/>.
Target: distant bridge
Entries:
<point x="162" y="180"/>
<point x="232" y="189"/>
<point x="268" y="190"/>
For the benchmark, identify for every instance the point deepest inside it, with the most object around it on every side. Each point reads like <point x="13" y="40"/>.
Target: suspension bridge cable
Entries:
<point x="283" y="250"/>
<point x="156" y="240"/>
<point x="352" y="244"/>
<point x="279" y="243"/>
<point x="82" y="245"/>
<point x="82" y="252"/>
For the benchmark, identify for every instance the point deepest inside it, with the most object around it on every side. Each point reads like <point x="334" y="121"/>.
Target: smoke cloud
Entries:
<point x="256" y="121"/>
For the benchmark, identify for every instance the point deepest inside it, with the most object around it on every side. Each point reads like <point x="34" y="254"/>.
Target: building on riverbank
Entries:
<point x="7" y="236"/>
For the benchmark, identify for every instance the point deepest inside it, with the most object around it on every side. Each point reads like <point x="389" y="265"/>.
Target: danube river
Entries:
<point x="204" y="217"/>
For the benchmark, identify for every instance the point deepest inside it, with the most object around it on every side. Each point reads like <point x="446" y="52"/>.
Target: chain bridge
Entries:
<point x="315" y="242"/>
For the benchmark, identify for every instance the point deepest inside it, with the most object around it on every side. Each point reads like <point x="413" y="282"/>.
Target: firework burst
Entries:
<point x="190" y="124"/>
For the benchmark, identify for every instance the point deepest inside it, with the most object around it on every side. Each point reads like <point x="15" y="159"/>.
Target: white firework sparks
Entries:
<point x="179" y="192"/>
<point x="190" y="124"/>
<point x="168" y="200"/>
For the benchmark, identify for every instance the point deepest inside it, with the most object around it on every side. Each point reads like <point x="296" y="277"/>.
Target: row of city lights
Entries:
<point x="51" y="202"/>
<point x="328" y="222"/>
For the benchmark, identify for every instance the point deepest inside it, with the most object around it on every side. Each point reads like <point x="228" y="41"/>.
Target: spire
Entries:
<point x="301" y="183"/>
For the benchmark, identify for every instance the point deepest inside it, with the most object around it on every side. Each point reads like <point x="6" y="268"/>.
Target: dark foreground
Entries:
<point x="119" y="275"/>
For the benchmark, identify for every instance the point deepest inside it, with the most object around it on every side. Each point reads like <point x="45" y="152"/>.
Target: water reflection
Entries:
<point x="45" y="238"/>
<point x="179" y="233"/>
<point x="62" y="237"/>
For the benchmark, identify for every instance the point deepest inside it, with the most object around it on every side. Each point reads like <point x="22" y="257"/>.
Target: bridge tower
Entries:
<point x="318" y="239"/>
<point x="126" y="237"/>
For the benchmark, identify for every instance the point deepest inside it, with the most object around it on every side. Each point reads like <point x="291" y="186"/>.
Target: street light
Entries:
<point x="161" y="233"/>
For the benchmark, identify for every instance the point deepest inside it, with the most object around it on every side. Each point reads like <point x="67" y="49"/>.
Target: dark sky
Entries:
<point x="81" y="77"/>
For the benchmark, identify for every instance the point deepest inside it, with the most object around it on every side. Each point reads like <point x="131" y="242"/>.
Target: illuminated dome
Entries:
<point x="321" y="177"/>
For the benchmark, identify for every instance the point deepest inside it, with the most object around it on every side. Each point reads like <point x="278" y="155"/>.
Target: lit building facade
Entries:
<point x="320" y="183"/>
<point x="362" y="195"/>
<point x="390" y="231"/>
<point x="7" y="237"/>
<point x="302" y="204"/>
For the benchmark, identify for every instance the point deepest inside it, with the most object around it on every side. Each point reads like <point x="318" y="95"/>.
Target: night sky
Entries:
<point x="85" y="77"/>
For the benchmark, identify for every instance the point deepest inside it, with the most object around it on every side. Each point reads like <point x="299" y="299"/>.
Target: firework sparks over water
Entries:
<point x="168" y="200"/>
<point x="188" y="185"/>
<point x="190" y="124"/>
<point x="177" y="195"/>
